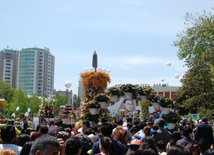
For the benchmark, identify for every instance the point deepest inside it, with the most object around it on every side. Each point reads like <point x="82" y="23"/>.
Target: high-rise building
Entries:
<point x="36" y="71"/>
<point x="9" y="67"/>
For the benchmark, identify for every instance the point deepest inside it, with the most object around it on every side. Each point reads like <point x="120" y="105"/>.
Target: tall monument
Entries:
<point x="94" y="60"/>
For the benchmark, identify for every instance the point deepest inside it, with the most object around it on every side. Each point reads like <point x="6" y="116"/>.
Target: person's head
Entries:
<point x="160" y="122"/>
<point x="51" y="123"/>
<point x="204" y="119"/>
<point x="174" y="137"/>
<point x="150" y="143"/>
<point x="22" y="139"/>
<point x="35" y="135"/>
<point x="85" y="125"/>
<point x="161" y="146"/>
<point x="92" y="138"/>
<point x="129" y="120"/>
<point x="178" y="150"/>
<point x="62" y="134"/>
<point x="43" y="129"/>
<point x="89" y="131"/>
<point x="181" y="129"/>
<point x="155" y="127"/>
<point x="58" y="122"/>
<point x="142" y="125"/>
<point x="129" y="126"/>
<point x="194" y="148"/>
<point x="145" y="151"/>
<point x="156" y="115"/>
<point x="121" y="136"/>
<point x="8" y="133"/>
<point x="128" y="104"/>
<point x="150" y="123"/>
<point x="23" y="119"/>
<point x="120" y="121"/>
<point x="73" y="146"/>
<point x="7" y="152"/>
<point x="117" y="129"/>
<point x="107" y="146"/>
<point x="136" y="122"/>
<point x="134" y="130"/>
<point x="134" y="145"/>
<point x="187" y="131"/>
<point x="106" y="129"/>
<point x="147" y="130"/>
<point x="45" y="145"/>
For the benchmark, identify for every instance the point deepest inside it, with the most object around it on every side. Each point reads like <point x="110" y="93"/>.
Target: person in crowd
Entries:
<point x="43" y="129"/>
<point x="176" y="135"/>
<point x="106" y="146"/>
<point x="95" y="132"/>
<point x="73" y="146"/>
<point x="134" y="132"/>
<point x="120" y="123"/>
<point x="181" y="129"/>
<point x="209" y="152"/>
<point x="156" y="116"/>
<point x="140" y="135"/>
<point x="24" y="125"/>
<point x="7" y="152"/>
<point x="147" y="131"/>
<point x="58" y="126"/>
<point x="63" y="134"/>
<point x="145" y="151"/>
<point x="193" y="148"/>
<point x="161" y="147"/>
<point x="117" y="129"/>
<point x="51" y="124"/>
<point x="137" y="123"/>
<point x="22" y="139"/>
<point x="8" y="135"/>
<point x="129" y="120"/>
<point x="106" y="129"/>
<point x="68" y="130"/>
<point x="187" y="137"/>
<point x="204" y="135"/>
<point x="149" y="142"/>
<point x="129" y="126"/>
<point x="17" y="122"/>
<point x="134" y="145"/>
<point x="164" y="135"/>
<point x="122" y="136"/>
<point x="178" y="150"/>
<point x="86" y="143"/>
<point x="47" y="145"/>
<point x="27" y="146"/>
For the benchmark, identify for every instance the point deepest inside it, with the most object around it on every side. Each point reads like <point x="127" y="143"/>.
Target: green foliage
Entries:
<point x="172" y="117"/>
<point x="76" y="101"/>
<point x="144" y="90"/>
<point x="195" y="45"/>
<point x="115" y="91"/>
<point x="101" y="98"/>
<point x="59" y="100"/>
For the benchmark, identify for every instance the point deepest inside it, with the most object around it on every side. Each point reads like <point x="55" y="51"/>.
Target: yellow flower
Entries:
<point x="144" y="103"/>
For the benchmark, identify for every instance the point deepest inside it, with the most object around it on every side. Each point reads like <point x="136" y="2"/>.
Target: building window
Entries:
<point x="8" y="57"/>
<point x="8" y="54"/>
<point x="7" y="60"/>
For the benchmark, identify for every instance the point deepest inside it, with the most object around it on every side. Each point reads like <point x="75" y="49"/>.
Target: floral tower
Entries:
<point x="95" y="101"/>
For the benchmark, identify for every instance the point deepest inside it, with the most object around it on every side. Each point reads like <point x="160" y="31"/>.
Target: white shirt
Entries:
<point x="17" y="149"/>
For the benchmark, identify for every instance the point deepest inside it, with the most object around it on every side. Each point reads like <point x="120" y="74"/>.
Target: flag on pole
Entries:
<point x="17" y="109"/>
<point x="13" y="115"/>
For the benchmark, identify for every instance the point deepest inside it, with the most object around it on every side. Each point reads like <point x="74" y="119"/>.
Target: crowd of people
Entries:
<point x="123" y="137"/>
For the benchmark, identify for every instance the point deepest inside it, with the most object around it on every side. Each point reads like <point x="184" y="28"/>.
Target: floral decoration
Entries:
<point x="144" y="90"/>
<point x="172" y="117"/>
<point x="122" y="113"/>
<point x="168" y="103"/>
<point x="157" y="98"/>
<point x="115" y="91"/>
<point x="95" y="79"/>
<point x="92" y="104"/>
<point x="46" y="110"/>
<point x="129" y="88"/>
<point x="101" y="98"/>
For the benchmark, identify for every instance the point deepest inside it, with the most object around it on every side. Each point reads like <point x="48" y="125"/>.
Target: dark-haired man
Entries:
<point x="58" y="126"/>
<point x="164" y="135"/>
<point x="106" y="129"/>
<point x="47" y="145"/>
<point x="8" y="134"/>
<point x="187" y="132"/>
<point x="204" y="135"/>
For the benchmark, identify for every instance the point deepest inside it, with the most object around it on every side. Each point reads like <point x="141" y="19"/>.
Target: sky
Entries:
<point x="133" y="38"/>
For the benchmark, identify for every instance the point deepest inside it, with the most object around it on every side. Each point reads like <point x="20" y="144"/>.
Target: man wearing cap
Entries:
<point x="164" y="135"/>
<point x="156" y="115"/>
